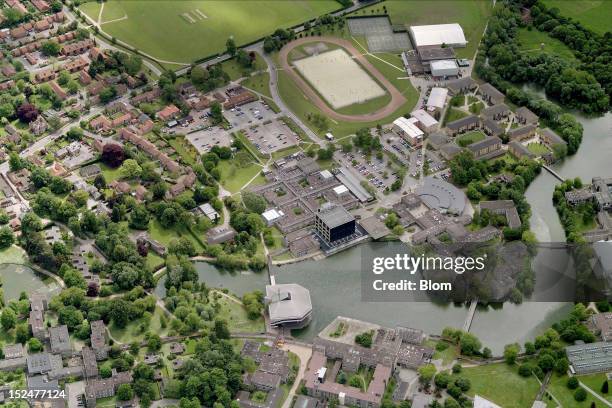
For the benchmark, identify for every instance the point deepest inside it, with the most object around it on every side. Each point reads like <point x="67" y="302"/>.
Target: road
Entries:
<point x="304" y="353"/>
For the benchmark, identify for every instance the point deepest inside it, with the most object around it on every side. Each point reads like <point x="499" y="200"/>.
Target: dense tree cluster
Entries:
<point x="572" y="86"/>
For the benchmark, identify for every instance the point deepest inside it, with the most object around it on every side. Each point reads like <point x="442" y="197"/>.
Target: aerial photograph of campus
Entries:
<point x="306" y="203"/>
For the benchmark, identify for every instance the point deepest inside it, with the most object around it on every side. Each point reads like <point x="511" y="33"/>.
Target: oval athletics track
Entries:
<point x="397" y="99"/>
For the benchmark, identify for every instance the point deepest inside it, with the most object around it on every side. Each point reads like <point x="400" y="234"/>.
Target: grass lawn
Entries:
<point x="236" y="71"/>
<point x="236" y="316"/>
<point x="594" y="382"/>
<point x="200" y="28"/>
<point x="471" y="15"/>
<point x="447" y="355"/>
<point x="132" y="332"/>
<point x="259" y="82"/>
<point x="558" y="388"/>
<point x="453" y="114"/>
<point x="154" y="261"/>
<point x="109" y="173"/>
<point x="476" y="107"/>
<point x="531" y="41"/>
<point x="13" y="255"/>
<point x="234" y="176"/>
<point x="165" y="235"/>
<point x="537" y="148"/>
<point x="468" y="138"/>
<point x="593" y="14"/>
<point x="108" y="402"/>
<point x="502" y="385"/>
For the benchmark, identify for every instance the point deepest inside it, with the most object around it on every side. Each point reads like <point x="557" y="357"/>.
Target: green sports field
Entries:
<point x="594" y="14"/>
<point x="184" y="31"/>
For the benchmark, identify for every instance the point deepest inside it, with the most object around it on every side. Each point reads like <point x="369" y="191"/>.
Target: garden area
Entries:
<point x="469" y="138"/>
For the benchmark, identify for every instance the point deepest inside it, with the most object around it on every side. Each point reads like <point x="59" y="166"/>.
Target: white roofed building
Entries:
<point x="444" y="69"/>
<point x="407" y="129"/>
<point x="437" y="99"/>
<point x="426" y="122"/>
<point x="438" y="34"/>
<point x="272" y="215"/>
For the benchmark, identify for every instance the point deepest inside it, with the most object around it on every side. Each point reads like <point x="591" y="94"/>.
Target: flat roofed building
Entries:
<point x="60" y="340"/>
<point x="98" y="339"/>
<point x="603" y="324"/>
<point x="13" y="351"/>
<point x="89" y="362"/>
<point x="408" y="130"/>
<point x="437" y="99"/>
<point x="438" y="34"/>
<point x="334" y="222"/>
<point x="503" y="207"/>
<point x="220" y="234"/>
<point x="590" y="357"/>
<point x="264" y="381"/>
<point x="39" y="363"/>
<point x="289" y="305"/>
<point x="434" y="53"/>
<point x="426" y="122"/>
<point x="444" y="68"/>
<point x="272" y="215"/>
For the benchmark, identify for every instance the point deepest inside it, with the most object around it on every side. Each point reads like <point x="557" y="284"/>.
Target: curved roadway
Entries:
<point x="397" y="99"/>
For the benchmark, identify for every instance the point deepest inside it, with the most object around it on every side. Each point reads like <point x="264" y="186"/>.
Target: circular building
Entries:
<point x="442" y="196"/>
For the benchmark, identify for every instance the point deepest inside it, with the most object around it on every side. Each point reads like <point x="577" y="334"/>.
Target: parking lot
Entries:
<point x="204" y="140"/>
<point x="247" y="114"/>
<point x="375" y="171"/>
<point x="271" y="136"/>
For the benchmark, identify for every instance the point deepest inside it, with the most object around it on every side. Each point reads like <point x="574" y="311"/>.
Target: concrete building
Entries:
<point x="98" y="340"/>
<point x="408" y="130"/>
<point x="444" y="69"/>
<point x="603" y="324"/>
<point x="220" y="234"/>
<point x="60" y="340"/>
<point x="334" y="222"/>
<point x="505" y="208"/>
<point x="425" y="121"/>
<point x="450" y="35"/>
<point x="442" y="196"/>
<point x="288" y="305"/>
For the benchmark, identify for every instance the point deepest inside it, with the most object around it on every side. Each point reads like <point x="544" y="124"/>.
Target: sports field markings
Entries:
<point x="115" y="20"/>
<point x="366" y="52"/>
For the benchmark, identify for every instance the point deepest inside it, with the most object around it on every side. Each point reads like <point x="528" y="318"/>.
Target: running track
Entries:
<point x="397" y="99"/>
